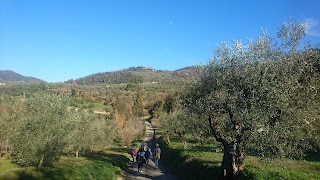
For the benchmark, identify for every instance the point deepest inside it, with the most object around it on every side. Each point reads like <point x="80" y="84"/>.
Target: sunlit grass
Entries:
<point x="8" y="170"/>
<point x="202" y="161"/>
<point x="105" y="164"/>
<point x="99" y="107"/>
<point x="282" y="168"/>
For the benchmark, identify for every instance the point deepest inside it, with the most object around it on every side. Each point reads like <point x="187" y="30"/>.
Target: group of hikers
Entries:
<point x="143" y="155"/>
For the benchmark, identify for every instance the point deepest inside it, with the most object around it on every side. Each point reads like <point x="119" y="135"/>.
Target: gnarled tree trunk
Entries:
<point x="232" y="162"/>
<point x="233" y="154"/>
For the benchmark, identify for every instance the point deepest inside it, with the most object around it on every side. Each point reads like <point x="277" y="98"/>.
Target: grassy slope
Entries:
<point x="203" y="162"/>
<point x="106" y="164"/>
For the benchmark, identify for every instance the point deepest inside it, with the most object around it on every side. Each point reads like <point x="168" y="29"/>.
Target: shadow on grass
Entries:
<point x="45" y="173"/>
<point x="53" y="173"/>
<point x="26" y="176"/>
<point x="313" y="156"/>
<point x="202" y="149"/>
<point x="247" y="175"/>
<point x="186" y="168"/>
<point x="115" y="159"/>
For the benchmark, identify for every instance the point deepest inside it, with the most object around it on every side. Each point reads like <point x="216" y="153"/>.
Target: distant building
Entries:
<point x="2" y="84"/>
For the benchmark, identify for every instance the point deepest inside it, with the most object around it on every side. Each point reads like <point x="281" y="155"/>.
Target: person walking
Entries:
<point x="147" y="156"/>
<point x="133" y="154"/>
<point x="140" y="158"/>
<point x="157" y="154"/>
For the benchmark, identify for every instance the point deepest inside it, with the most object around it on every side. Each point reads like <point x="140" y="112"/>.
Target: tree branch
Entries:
<point x="215" y="133"/>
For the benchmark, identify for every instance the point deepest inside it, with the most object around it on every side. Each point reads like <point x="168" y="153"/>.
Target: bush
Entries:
<point x="132" y="128"/>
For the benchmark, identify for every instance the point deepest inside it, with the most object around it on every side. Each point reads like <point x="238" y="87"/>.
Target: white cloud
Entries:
<point x="311" y="25"/>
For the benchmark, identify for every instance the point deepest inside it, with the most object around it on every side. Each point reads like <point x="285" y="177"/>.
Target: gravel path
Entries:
<point x="151" y="172"/>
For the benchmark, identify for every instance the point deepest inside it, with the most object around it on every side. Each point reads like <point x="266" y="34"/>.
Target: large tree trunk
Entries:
<point x="232" y="162"/>
<point x="233" y="153"/>
<point x="226" y="171"/>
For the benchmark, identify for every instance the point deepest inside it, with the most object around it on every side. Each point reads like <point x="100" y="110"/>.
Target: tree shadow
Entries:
<point x="44" y="173"/>
<point x="247" y="175"/>
<point x="115" y="159"/>
<point x="56" y="173"/>
<point x="195" y="168"/>
<point x="201" y="149"/>
<point x="313" y="156"/>
<point x="24" y="176"/>
<point x="132" y="170"/>
<point x="186" y="168"/>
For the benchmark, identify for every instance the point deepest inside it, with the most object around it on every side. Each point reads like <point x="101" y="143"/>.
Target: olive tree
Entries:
<point x="176" y="122"/>
<point x="41" y="126"/>
<point x="259" y="96"/>
<point x="88" y="131"/>
<point x="8" y="109"/>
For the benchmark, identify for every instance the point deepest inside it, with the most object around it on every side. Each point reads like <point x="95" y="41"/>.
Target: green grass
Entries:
<point x="281" y="169"/>
<point x="202" y="161"/>
<point x="99" y="107"/>
<point x="106" y="164"/>
<point x="194" y="163"/>
<point x="8" y="169"/>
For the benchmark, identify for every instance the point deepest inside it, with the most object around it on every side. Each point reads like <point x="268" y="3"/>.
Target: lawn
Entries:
<point x="106" y="164"/>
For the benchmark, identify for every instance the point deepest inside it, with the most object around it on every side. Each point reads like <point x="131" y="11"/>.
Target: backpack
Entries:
<point x="157" y="153"/>
<point x="147" y="154"/>
<point x="140" y="155"/>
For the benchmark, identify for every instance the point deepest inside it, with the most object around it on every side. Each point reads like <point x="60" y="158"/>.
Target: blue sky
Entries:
<point x="56" y="40"/>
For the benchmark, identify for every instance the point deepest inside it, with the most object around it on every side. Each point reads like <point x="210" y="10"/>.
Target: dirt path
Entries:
<point x="152" y="172"/>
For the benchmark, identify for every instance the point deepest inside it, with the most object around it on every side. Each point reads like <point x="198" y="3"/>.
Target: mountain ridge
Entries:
<point x="138" y="74"/>
<point x="129" y="75"/>
<point x="9" y="76"/>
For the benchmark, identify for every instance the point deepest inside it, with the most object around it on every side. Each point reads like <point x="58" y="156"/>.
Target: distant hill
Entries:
<point x="137" y="75"/>
<point x="8" y="76"/>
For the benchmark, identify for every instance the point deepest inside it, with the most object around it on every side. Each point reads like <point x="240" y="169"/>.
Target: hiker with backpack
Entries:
<point x="156" y="154"/>
<point x="141" y="158"/>
<point x="147" y="156"/>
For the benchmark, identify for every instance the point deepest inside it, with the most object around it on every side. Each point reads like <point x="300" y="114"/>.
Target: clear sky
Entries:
<point x="56" y="40"/>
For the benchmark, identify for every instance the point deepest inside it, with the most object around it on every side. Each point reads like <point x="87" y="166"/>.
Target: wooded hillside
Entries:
<point x="137" y="75"/>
